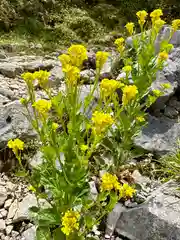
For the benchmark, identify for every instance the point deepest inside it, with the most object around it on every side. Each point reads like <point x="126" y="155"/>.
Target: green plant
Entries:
<point x="68" y="138"/>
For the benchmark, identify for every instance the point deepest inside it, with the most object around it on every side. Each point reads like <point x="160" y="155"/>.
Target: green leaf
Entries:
<point x="113" y="200"/>
<point x="58" y="235"/>
<point x="48" y="216"/>
<point x="103" y="196"/>
<point x="89" y="221"/>
<point x="43" y="233"/>
<point x="21" y="174"/>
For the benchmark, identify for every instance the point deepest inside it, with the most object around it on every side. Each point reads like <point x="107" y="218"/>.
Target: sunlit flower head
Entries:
<point x="158" y="24"/>
<point x="42" y="106"/>
<point x="108" y="87"/>
<point x="16" y="145"/>
<point x="70" y="222"/>
<point x="126" y="191"/>
<point x="109" y="182"/>
<point x="176" y="24"/>
<point x="156" y="14"/>
<point x="157" y="92"/>
<point x="101" y="58"/>
<point x="140" y="119"/>
<point x="77" y="53"/>
<point x="101" y="121"/>
<point x="129" y="93"/>
<point x="42" y="77"/>
<point x="163" y="56"/>
<point x="120" y="43"/>
<point x="142" y="15"/>
<point x="28" y="78"/>
<point x="127" y="69"/>
<point x="54" y="126"/>
<point x="130" y="28"/>
<point x="65" y="60"/>
<point x="72" y="74"/>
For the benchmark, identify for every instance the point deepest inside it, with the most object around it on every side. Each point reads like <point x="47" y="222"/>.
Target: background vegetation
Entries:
<point x="65" y="20"/>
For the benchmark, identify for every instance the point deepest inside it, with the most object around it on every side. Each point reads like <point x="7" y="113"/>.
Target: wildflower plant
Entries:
<point x="68" y="138"/>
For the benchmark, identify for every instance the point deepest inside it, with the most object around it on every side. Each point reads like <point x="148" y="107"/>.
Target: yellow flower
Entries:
<point x="72" y="74"/>
<point x="84" y="148"/>
<point x="142" y="15"/>
<point x="158" y="24"/>
<point x="22" y="101"/>
<point x="127" y="69"/>
<point x="126" y="191"/>
<point x="156" y="14"/>
<point x="77" y="53"/>
<point x="16" y="145"/>
<point x="109" y="182"/>
<point x="166" y="85"/>
<point x="65" y="60"/>
<point x="157" y="92"/>
<point x="108" y="87"/>
<point x="101" y="58"/>
<point x="129" y="93"/>
<point x="70" y="222"/>
<point x="140" y="119"/>
<point x="42" y="106"/>
<point x="130" y="27"/>
<point x="176" y="24"/>
<point x="54" y="126"/>
<point x="163" y="56"/>
<point x="28" y="77"/>
<point x="101" y="121"/>
<point x="120" y="42"/>
<point x="42" y="77"/>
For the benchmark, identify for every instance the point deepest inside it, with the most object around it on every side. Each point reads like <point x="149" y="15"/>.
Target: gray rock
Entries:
<point x="30" y="234"/>
<point x="159" y="136"/>
<point x="2" y="55"/>
<point x="93" y="190"/>
<point x="36" y="160"/>
<point x="13" y="209"/>
<point x="158" y="218"/>
<point x="9" y="229"/>
<point x="113" y="218"/>
<point x="8" y="203"/>
<point x="39" y="64"/>
<point x="57" y="75"/>
<point x="13" y="123"/>
<point x="23" y="208"/>
<point x="10" y="70"/>
<point x="3" y="213"/>
<point x="88" y="76"/>
<point x="173" y="102"/>
<point x="2" y="225"/>
<point x="170" y="112"/>
<point x="139" y="179"/>
<point x="3" y="195"/>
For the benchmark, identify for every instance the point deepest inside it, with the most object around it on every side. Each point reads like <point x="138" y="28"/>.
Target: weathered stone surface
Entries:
<point x="56" y="74"/>
<point x="159" y="136"/>
<point x="170" y="112"/>
<point x="13" y="122"/>
<point x="23" y="208"/>
<point x="88" y="76"/>
<point x="2" y="225"/>
<point x="13" y="209"/>
<point x="158" y="218"/>
<point x="30" y="234"/>
<point x="10" y="70"/>
<point x="3" y="195"/>
<point x="36" y="160"/>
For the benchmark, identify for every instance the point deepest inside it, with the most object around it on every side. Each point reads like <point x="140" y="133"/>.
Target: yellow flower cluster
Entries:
<point x="163" y="56"/>
<point x="158" y="24"/>
<point x="70" y="222"/>
<point x="42" y="106"/>
<point x="120" y="42"/>
<point x="108" y="87"/>
<point x="126" y="191"/>
<point x="101" y="58"/>
<point x="77" y="53"/>
<point x="142" y="15"/>
<point x="140" y="119"/>
<point x="101" y="121"/>
<point x="41" y="76"/>
<point x="109" y="182"/>
<point x="72" y="74"/>
<point x="129" y="93"/>
<point x="156" y="15"/>
<point x="16" y="145"/>
<point x="54" y="126"/>
<point x="127" y="69"/>
<point x="176" y="24"/>
<point x="130" y="28"/>
<point x="72" y="62"/>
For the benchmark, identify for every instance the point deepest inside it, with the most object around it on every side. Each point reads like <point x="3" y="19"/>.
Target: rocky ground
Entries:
<point x="154" y="214"/>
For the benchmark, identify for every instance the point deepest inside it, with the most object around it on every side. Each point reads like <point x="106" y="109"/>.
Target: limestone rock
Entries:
<point x="30" y="234"/>
<point x="36" y="160"/>
<point x="13" y="209"/>
<point x="10" y="70"/>
<point x="3" y="195"/>
<point x="88" y="76"/>
<point x="157" y="218"/>
<point x="23" y="208"/>
<point x="2" y="225"/>
<point x="159" y="136"/>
